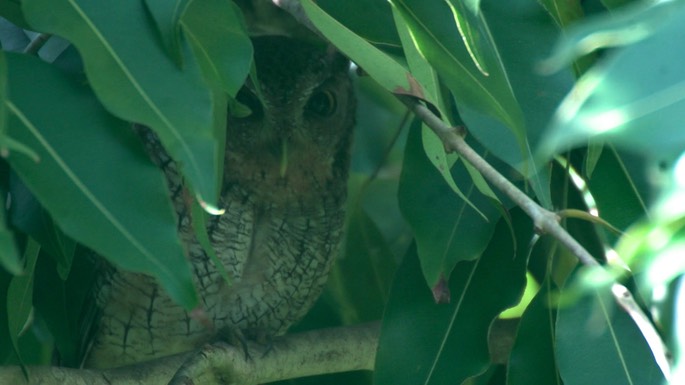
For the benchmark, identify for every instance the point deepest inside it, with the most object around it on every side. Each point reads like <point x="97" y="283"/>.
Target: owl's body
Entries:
<point x="283" y="193"/>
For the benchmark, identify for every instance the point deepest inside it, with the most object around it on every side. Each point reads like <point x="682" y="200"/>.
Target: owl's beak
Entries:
<point x="284" y="158"/>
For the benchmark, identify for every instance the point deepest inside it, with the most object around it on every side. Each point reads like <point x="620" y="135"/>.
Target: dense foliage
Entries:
<point x="578" y="103"/>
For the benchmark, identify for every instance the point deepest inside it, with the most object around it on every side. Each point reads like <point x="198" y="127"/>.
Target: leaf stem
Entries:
<point x="36" y="44"/>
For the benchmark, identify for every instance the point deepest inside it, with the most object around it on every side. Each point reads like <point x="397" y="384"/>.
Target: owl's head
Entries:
<point x="298" y="131"/>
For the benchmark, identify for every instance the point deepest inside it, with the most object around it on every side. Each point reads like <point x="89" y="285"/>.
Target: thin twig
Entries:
<point x="545" y="221"/>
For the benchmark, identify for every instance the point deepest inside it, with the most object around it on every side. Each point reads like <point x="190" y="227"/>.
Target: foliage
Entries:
<point x="576" y="102"/>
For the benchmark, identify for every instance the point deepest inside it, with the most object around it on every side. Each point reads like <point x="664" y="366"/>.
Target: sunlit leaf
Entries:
<point x="135" y="79"/>
<point x="106" y="194"/>
<point x="638" y="88"/>
<point x="437" y="37"/>
<point x="473" y="30"/>
<point x="427" y="343"/>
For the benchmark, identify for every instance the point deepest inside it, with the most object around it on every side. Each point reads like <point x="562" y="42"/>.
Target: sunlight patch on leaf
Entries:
<point x="637" y="88"/>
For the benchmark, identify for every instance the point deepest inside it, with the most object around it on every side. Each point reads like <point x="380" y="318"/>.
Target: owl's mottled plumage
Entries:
<point x="283" y="191"/>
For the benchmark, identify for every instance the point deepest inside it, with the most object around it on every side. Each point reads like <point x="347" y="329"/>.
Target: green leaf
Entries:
<point x="524" y="34"/>
<point x="20" y="296"/>
<point x="11" y="10"/>
<point x="218" y="37"/>
<point x="371" y="19"/>
<point x="532" y="359"/>
<point x="381" y="67"/>
<point x="474" y="31"/>
<point x="449" y="341"/>
<point x="563" y="12"/>
<point x="29" y="217"/>
<point x="94" y="176"/>
<point x="617" y="197"/>
<point x="598" y="343"/>
<point x="424" y="73"/>
<point x="135" y="79"/>
<point x="167" y="15"/>
<point x="435" y="152"/>
<point x="438" y="217"/>
<point x="60" y="302"/>
<point x="419" y="67"/>
<point x="638" y="89"/>
<point x="437" y="37"/>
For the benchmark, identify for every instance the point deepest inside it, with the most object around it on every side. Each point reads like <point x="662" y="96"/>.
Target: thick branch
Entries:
<point x="297" y="355"/>
<point x="311" y="353"/>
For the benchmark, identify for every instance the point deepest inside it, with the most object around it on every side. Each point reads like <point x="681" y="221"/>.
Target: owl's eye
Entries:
<point x="252" y="103"/>
<point x="322" y="103"/>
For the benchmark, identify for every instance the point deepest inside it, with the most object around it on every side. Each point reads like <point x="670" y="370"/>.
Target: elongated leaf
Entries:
<point x="638" y="89"/>
<point x="424" y="73"/>
<point x="381" y="67"/>
<point x="218" y="36"/>
<point x="167" y="15"/>
<point x="439" y="218"/>
<point x="474" y="31"/>
<point x="93" y="175"/>
<point x="427" y="343"/>
<point x="437" y="37"/>
<point x="136" y="80"/>
<point x="371" y="19"/>
<point x="419" y="67"/>
<point x="598" y="343"/>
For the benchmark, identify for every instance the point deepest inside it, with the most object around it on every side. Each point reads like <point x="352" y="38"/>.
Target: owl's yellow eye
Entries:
<point x="322" y="103"/>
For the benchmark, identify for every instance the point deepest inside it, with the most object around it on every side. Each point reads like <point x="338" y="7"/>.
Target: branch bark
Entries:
<point x="298" y="355"/>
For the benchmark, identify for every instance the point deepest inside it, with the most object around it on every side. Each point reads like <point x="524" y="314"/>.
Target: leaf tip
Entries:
<point x="441" y="292"/>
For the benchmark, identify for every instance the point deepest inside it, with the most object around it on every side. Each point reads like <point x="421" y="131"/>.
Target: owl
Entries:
<point x="283" y="192"/>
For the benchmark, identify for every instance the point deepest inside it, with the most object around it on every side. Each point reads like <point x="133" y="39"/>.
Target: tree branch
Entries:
<point x="298" y="355"/>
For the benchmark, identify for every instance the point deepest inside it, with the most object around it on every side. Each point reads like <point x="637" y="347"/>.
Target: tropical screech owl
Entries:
<point x="284" y="188"/>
